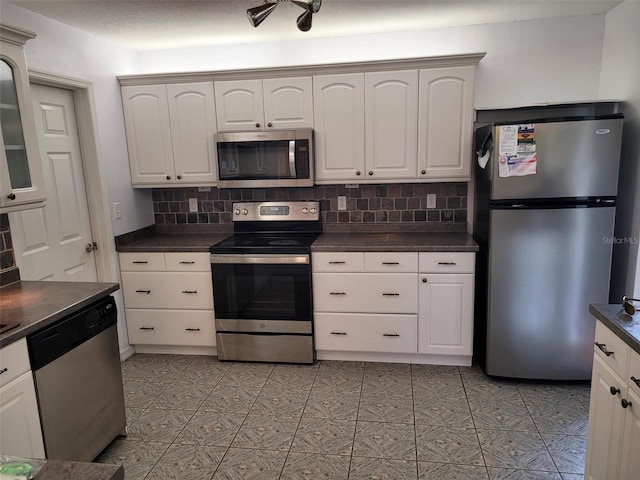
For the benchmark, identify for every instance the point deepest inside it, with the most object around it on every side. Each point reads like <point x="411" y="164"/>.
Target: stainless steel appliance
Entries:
<point x="262" y="283"/>
<point x="545" y="243"/>
<point x="277" y="158"/>
<point x="76" y="364"/>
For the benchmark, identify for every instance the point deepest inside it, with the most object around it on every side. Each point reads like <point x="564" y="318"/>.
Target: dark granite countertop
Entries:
<point x="174" y="242"/>
<point x="625" y="326"/>
<point x="39" y="304"/>
<point x="64" y="470"/>
<point x="395" y="242"/>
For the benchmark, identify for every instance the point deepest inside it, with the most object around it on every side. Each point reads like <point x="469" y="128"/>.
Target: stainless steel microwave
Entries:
<point x="277" y="158"/>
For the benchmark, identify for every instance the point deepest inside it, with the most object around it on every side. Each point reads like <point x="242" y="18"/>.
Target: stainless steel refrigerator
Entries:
<point x="544" y="219"/>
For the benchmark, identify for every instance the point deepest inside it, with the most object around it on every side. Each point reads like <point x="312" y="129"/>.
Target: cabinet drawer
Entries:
<point x="142" y="262"/>
<point x="338" y="262"/>
<point x="14" y="361"/>
<point x="176" y="290"/>
<point x="187" y="262"/>
<point x="618" y="351"/>
<point x="366" y="333"/>
<point x="171" y="327"/>
<point x="634" y="371"/>
<point x="393" y="262"/>
<point x="362" y="293"/>
<point x="447" y="262"/>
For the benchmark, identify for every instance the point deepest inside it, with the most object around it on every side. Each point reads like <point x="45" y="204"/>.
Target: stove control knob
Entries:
<point x="245" y="211"/>
<point x="314" y="210"/>
<point x="237" y="211"/>
<point x="305" y="210"/>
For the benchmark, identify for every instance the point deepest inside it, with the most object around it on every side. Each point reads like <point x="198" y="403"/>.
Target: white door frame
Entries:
<point x="94" y="177"/>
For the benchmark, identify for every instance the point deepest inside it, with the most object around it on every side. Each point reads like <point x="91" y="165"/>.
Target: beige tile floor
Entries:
<point x="195" y="418"/>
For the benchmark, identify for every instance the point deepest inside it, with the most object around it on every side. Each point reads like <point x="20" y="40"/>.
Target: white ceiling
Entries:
<point x="152" y="24"/>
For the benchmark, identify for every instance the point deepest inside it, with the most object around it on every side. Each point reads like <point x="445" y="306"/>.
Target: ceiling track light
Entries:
<point x="256" y="15"/>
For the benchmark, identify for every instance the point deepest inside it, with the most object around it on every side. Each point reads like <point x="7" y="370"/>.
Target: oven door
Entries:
<point x="262" y="293"/>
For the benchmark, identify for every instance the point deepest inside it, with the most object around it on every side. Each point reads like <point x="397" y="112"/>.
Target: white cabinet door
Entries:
<point x="20" y="434"/>
<point x="193" y="122"/>
<point x="146" y="117"/>
<point x="605" y="423"/>
<point x="239" y="105"/>
<point x="445" y="319"/>
<point x="338" y="110"/>
<point x="21" y="181"/>
<point x="445" y="123"/>
<point x="391" y="124"/>
<point x="630" y="460"/>
<point x="288" y="102"/>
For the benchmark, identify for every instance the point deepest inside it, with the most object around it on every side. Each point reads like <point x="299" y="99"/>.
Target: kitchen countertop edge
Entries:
<point x="395" y="242"/>
<point x="80" y="295"/>
<point x="625" y="326"/>
<point x="173" y="242"/>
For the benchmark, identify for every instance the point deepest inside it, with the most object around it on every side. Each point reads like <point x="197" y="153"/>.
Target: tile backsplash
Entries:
<point x="385" y="204"/>
<point x="7" y="259"/>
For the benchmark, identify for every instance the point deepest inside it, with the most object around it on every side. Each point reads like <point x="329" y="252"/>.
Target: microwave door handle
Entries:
<point x="292" y="158"/>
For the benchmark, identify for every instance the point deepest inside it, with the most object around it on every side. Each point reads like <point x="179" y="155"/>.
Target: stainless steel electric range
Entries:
<point x="262" y="283"/>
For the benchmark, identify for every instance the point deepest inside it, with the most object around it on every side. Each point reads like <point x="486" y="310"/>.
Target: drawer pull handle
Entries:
<point x="446" y="263"/>
<point x="603" y="348"/>
<point x="147" y="328"/>
<point x="140" y="261"/>
<point x="390" y="334"/>
<point x="390" y="294"/>
<point x="5" y="369"/>
<point x="338" y="333"/>
<point x="391" y="263"/>
<point x="189" y="291"/>
<point x="192" y="329"/>
<point x="636" y="380"/>
<point x="337" y="293"/>
<point x="187" y="263"/>
<point x="625" y="403"/>
<point x="614" y="391"/>
<point x="337" y="263"/>
<point x="144" y="291"/>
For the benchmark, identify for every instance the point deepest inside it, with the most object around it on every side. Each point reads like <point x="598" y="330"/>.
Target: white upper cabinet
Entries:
<point x="275" y="103"/>
<point x="21" y="180"/>
<point x="391" y="124"/>
<point x="445" y="123"/>
<point x="169" y="134"/>
<point x="338" y="110"/>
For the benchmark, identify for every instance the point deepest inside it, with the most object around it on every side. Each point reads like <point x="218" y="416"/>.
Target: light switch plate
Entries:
<point x="431" y="200"/>
<point x="193" y="205"/>
<point x="342" y="202"/>
<point x="117" y="212"/>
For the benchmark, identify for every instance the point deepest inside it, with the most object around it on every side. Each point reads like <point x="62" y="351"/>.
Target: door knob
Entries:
<point x="90" y="247"/>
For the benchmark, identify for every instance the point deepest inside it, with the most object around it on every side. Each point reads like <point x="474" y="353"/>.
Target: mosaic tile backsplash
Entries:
<point x="368" y="204"/>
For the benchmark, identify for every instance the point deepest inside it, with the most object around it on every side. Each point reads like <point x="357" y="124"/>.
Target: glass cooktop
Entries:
<point x="265" y="243"/>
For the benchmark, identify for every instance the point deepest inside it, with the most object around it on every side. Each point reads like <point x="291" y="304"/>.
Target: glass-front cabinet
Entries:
<point x="21" y="183"/>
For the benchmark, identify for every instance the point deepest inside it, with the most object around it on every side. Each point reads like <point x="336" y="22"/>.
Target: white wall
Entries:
<point x="527" y="62"/>
<point x="620" y="78"/>
<point x="64" y="50"/>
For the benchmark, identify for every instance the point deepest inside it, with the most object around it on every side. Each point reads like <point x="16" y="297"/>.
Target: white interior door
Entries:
<point x="50" y="242"/>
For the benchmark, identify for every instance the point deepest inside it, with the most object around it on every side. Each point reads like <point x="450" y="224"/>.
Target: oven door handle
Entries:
<point x="260" y="259"/>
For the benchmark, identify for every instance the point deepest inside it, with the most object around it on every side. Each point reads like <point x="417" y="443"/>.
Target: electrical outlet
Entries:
<point x="117" y="213"/>
<point x="193" y="205"/>
<point x="342" y="202"/>
<point x="431" y="200"/>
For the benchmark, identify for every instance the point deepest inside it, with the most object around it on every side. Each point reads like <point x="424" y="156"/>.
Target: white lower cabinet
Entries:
<point x="614" y="411"/>
<point x="169" y="301"/>
<point x="378" y="306"/>
<point x="20" y="433"/>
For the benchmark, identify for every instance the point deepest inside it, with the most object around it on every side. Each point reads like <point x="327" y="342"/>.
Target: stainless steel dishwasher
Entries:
<point x="76" y="365"/>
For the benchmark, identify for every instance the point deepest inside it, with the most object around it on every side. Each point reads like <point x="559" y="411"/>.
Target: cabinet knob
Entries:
<point x="625" y="403"/>
<point x="424" y="280"/>
<point x="11" y="196"/>
<point x="370" y="173"/>
<point x="168" y="177"/>
<point x="257" y="125"/>
<point x="269" y="125"/>
<point x="358" y="172"/>
<point x="614" y="391"/>
<point x="423" y="172"/>
<point x="179" y="177"/>
<point x="5" y="369"/>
